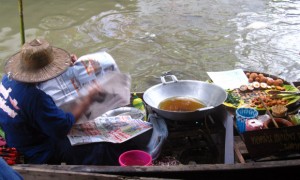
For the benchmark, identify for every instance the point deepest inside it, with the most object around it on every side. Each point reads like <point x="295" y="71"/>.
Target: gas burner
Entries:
<point x="208" y="123"/>
<point x="183" y="124"/>
<point x="194" y="142"/>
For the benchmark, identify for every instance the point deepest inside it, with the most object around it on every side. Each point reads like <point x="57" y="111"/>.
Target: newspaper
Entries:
<point x="97" y="68"/>
<point x="84" y="71"/>
<point x="115" y="92"/>
<point x="116" y="129"/>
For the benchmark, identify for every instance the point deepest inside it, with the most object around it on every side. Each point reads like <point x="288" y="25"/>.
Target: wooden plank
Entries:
<point x="241" y="145"/>
<point x="240" y="150"/>
<point x="256" y="169"/>
<point x="49" y="174"/>
<point x="238" y="154"/>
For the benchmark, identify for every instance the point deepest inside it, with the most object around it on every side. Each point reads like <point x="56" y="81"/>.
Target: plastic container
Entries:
<point x="242" y="115"/>
<point x="135" y="158"/>
<point x="279" y="111"/>
<point x="132" y="111"/>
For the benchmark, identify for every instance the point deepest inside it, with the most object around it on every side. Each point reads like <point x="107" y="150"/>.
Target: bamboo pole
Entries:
<point x="21" y="22"/>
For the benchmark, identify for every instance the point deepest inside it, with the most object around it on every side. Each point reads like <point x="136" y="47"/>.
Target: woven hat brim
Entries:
<point x="60" y="63"/>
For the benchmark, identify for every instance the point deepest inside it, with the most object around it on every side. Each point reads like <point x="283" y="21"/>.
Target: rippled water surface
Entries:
<point x="150" y="37"/>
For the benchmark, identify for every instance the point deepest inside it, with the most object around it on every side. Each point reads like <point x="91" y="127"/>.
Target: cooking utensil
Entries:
<point x="269" y="113"/>
<point x="279" y="94"/>
<point x="274" y="92"/>
<point x="209" y="94"/>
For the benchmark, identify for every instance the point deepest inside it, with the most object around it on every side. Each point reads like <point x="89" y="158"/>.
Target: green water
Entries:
<point x="150" y="37"/>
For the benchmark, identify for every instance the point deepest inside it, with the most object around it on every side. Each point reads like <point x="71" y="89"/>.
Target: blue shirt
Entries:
<point x="31" y="120"/>
<point x="8" y="172"/>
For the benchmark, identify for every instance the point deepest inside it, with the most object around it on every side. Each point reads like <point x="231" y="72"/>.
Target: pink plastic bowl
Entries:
<point x="135" y="158"/>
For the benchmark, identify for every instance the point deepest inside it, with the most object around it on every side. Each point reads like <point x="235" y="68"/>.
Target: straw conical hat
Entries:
<point x="37" y="61"/>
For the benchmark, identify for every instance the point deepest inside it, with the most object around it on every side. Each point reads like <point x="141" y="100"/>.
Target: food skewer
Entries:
<point x="273" y="120"/>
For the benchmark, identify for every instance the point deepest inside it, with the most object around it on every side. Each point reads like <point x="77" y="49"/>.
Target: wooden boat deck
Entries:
<point x="237" y="163"/>
<point x="266" y="169"/>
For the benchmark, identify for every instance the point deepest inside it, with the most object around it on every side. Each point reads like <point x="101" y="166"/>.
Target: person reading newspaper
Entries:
<point x="31" y="120"/>
<point x="99" y="66"/>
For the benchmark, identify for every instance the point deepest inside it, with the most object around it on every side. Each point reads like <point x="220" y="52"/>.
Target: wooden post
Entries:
<point x="21" y="22"/>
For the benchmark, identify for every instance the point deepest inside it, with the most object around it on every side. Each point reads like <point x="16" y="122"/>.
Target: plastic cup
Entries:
<point x="242" y="115"/>
<point x="135" y="158"/>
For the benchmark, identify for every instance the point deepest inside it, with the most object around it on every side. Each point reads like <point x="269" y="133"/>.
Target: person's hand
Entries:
<point x="73" y="58"/>
<point x="95" y="93"/>
<point x="82" y="103"/>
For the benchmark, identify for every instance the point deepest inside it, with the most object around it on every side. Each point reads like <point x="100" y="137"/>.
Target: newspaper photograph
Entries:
<point x="116" y="129"/>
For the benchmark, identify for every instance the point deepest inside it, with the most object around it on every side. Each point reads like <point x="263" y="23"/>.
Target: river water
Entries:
<point x="150" y="37"/>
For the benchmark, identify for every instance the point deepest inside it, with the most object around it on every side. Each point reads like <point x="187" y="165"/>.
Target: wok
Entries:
<point x="209" y="94"/>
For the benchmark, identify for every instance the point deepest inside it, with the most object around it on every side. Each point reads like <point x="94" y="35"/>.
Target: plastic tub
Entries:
<point x="135" y="158"/>
<point x="244" y="114"/>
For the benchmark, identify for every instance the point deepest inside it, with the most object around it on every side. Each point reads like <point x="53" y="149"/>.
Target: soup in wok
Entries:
<point x="181" y="104"/>
<point x="210" y="96"/>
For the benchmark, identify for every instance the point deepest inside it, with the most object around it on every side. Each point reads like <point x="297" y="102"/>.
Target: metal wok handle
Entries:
<point x="173" y="77"/>
<point x="205" y="108"/>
